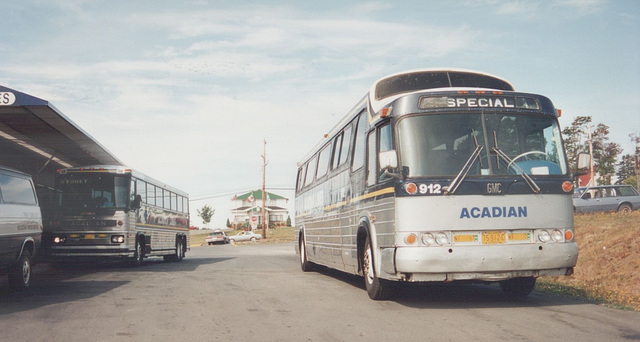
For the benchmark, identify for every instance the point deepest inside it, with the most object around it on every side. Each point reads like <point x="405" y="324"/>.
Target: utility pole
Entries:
<point x="264" y="194"/>
<point x="590" y="140"/>
<point x="636" y="158"/>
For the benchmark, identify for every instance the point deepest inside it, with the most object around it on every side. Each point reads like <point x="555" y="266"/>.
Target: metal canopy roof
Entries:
<point x="36" y="138"/>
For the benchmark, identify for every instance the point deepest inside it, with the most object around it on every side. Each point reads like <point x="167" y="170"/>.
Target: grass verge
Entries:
<point x="608" y="268"/>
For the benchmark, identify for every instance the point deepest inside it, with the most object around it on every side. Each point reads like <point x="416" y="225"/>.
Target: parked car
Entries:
<point x="20" y="227"/>
<point x="620" y="198"/>
<point x="217" y="236"/>
<point x="246" y="235"/>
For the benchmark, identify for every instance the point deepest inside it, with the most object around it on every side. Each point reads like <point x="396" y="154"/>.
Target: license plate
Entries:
<point x="90" y="236"/>
<point x="519" y="237"/>
<point x="465" y="238"/>
<point x="493" y="238"/>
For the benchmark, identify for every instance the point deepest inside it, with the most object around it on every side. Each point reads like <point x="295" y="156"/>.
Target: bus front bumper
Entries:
<point x="93" y="252"/>
<point x="485" y="263"/>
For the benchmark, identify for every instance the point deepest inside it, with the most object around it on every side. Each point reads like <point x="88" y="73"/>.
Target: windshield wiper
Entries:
<point x="465" y="169"/>
<point x="499" y="154"/>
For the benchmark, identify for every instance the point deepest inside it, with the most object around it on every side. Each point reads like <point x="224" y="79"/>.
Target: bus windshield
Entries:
<point x="441" y="144"/>
<point x="90" y="191"/>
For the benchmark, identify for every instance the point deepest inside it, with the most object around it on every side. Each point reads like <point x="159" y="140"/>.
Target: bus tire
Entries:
<point x="20" y="275"/>
<point x="518" y="288"/>
<point x="377" y="289"/>
<point x="179" y="250"/>
<point x="305" y="264"/>
<point x="138" y="253"/>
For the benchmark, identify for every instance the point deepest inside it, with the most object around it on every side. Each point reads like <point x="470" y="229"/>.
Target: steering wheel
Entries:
<point x="524" y="155"/>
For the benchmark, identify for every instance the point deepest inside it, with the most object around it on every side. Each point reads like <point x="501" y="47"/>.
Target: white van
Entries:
<point x="20" y="227"/>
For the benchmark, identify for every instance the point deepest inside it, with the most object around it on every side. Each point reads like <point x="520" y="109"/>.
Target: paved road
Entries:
<point x="258" y="293"/>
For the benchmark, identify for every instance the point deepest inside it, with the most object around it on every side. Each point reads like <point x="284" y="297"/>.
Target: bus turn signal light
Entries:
<point x="568" y="235"/>
<point x="410" y="239"/>
<point x="411" y="188"/>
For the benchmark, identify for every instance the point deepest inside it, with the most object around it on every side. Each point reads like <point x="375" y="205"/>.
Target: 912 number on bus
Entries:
<point x="432" y="189"/>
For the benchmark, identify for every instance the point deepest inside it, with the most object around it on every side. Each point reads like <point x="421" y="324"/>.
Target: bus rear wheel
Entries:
<point x="179" y="255"/>
<point x="518" y="288"/>
<point x="377" y="289"/>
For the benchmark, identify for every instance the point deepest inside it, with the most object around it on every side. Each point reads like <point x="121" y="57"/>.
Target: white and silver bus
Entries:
<point x="113" y="211"/>
<point x="439" y="176"/>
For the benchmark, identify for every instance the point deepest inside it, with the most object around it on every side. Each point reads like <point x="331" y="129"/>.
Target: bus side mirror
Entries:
<point x="584" y="161"/>
<point x="388" y="160"/>
<point x="136" y="204"/>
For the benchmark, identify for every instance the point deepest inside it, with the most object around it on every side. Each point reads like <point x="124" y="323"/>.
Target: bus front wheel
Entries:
<point x="138" y="254"/>
<point x="378" y="289"/>
<point x="305" y="264"/>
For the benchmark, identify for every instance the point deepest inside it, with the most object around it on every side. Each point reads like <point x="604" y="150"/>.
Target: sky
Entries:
<point x="188" y="91"/>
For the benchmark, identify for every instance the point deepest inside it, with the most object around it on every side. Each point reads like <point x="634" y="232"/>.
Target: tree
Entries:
<point x="228" y="223"/>
<point x="627" y="169"/>
<point x="288" y="221"/>
<point x="206" y="214"/>
<point x="605" y="153"/>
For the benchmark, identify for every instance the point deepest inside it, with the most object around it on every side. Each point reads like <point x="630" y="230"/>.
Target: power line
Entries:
<point x="234" y="192"/>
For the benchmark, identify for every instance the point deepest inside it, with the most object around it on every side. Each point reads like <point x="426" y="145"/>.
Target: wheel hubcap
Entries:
<point x="26" y="272"/>
<point x="368" y="272"/>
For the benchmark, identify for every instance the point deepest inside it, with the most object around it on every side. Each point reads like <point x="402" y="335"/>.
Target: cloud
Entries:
<point x="582" y="7"/>
<point x="518" y="7"/>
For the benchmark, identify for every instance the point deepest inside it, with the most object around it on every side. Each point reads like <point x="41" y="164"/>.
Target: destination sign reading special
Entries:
<point x="430" y="102"/>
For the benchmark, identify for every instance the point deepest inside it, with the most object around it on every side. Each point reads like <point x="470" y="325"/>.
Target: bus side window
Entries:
<point x="311" y="171"/>
<point x="359" y="155"/>
<point x="386" y="144"/>
<point x="301" y="173"/>
<point x="151" y="194"/>
<point x="323" y="161"/>
<point x="372" y="158"/>
<point x="337" y="147"/>
<point x="346" y="143"/>
<point x="132" y="190"/>
<point x="141" y="189"/>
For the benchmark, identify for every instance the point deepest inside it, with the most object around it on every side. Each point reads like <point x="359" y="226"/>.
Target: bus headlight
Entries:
<point x="117" y="238"/>
<point x="556" y="235"/>
<point x="59" y="239"/>
<point x="544" y="236"/>
<point x="442" y="239"/>
<point x="428" y="239"/>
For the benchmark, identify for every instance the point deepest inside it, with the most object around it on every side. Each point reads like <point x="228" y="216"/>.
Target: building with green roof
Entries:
<point x="249" y="210"/>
